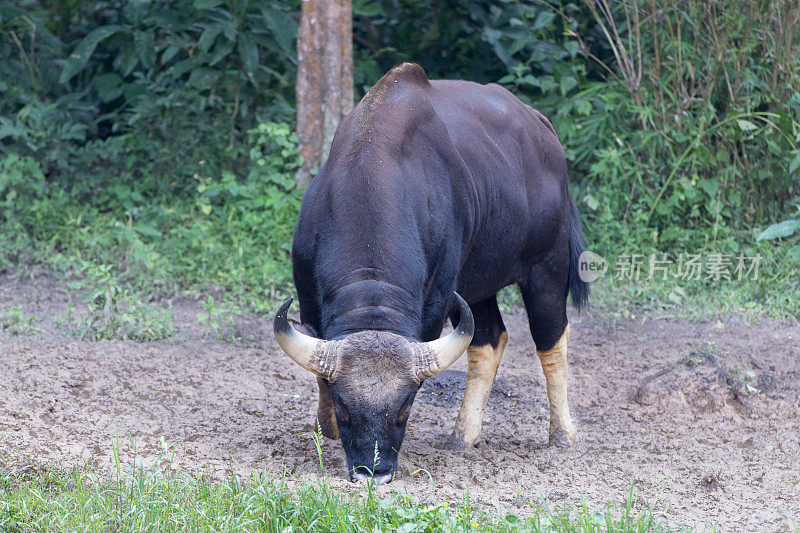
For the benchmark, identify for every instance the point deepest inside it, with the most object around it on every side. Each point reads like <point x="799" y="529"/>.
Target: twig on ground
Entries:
<point x="639" y="393"/>
<point x="736" y="387"/>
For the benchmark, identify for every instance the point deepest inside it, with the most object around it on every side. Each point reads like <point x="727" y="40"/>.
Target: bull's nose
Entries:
<point x="379" y="478"/>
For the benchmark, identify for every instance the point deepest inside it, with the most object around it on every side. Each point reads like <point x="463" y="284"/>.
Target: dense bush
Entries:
<point x="141" y="94"/>
<point x="691" y="124"/>
<point x="229" y="233"/>
<point x="148" y="135"/>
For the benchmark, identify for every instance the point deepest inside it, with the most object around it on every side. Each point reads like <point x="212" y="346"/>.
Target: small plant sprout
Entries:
<point x="318" y="438"/>
<point x="15" y="323"/>
<point x="219" y="321"/>
<point x="114" y="310"/>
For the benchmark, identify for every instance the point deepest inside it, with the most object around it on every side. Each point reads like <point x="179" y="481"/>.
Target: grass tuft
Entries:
<point x="139" y="498"/>
<point x="14" y="322"/>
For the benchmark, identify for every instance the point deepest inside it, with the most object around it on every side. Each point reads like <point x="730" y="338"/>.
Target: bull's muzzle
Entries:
<point x="379" y="479"/>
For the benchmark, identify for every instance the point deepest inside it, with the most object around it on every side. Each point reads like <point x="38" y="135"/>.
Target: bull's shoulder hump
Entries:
<point x="398" y="78"/>
<point x="410" y="72"/>
<point x="402" y="84"/>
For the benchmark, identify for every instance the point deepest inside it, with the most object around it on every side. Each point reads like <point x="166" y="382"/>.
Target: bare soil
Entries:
<point x="659" y="405"/>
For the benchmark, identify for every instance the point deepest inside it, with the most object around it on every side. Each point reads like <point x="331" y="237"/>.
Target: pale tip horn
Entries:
<point x="302" y="349"/>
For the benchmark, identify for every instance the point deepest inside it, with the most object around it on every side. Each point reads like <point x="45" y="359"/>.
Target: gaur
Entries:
<point x="433" y="191"/>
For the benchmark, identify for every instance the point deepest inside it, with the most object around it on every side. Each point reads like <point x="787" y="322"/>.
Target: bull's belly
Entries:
<point x="504" y="260"/>
<point x="479" y="280"/>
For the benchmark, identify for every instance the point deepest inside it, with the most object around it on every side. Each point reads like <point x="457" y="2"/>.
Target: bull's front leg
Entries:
<point x="481" y="370"/>
<point x="326" y="417"/>
<point x="554" y="367"/>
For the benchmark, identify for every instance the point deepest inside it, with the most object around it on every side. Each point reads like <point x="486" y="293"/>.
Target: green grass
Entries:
<point x="622" y="300"/>
<point x="14" y="322"/>
<point x="673" y="300"/>
<point x="55" y="498"/>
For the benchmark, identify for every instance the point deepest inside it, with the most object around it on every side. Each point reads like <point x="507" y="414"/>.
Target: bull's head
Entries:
<point x="373" y="378"/>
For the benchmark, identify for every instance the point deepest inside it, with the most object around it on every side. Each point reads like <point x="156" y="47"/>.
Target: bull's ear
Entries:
<point x="305" y="329"/>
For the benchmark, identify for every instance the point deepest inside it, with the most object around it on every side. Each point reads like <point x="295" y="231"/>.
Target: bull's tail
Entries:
<point x="579" y="289"/>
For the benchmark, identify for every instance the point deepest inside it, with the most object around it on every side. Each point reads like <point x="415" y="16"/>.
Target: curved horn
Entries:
<point x="441" y="353"/>
<point x="302" y="349"/>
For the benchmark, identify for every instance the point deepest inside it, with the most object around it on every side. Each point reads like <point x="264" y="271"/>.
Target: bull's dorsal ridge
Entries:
<point x="405" y="72"/>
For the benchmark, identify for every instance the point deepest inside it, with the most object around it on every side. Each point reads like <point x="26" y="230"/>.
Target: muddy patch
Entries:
<point x="446" y="389"/>
<point x="704" y="438"/>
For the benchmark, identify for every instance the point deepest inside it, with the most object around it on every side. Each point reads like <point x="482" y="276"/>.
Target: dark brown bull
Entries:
<point x="431" y="187"/>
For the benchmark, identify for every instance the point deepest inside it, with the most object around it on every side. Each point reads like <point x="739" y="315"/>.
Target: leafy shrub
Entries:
<point x="690" y="136"/>
<point x="15" y="323"/>
<point x="114" y="311"/>
<point x="232" y="233"/>
<point x="21" y="182"/>
<point x="22" y="190"/>
<point x="242" y="230"/>
<point x="44" y="132"/>
<point x="141" y="93"/>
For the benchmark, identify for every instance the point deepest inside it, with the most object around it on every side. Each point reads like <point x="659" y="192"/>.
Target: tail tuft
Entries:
<point x="579" y="289"/>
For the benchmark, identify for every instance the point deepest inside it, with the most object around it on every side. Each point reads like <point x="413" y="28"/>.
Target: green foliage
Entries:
<point x="671" y="144"/>
<point x="22" y="193"/>
<point x="241" y="231"/>
<point x="134" y="93"/>
<point x="136" y="497"/>
<point x="21" y="181"/>
<point x="114" y="311"/>
<point x="219" y="322"/>
<point x="779" y="230"/>
<point x="14" y="322"/>
<point x="231" y="233"/>
<point x="148" y="135"/>
<point x="685" y="163"/>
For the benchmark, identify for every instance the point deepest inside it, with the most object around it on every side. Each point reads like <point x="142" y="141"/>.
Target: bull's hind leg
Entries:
<point x="554" y="367"/>
<point x="484" y="354"/>
<point x="547" y="315"/>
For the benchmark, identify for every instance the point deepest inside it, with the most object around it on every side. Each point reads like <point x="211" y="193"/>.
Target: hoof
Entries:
<point x="457" y="443"/>
<point x="560" y="438"/>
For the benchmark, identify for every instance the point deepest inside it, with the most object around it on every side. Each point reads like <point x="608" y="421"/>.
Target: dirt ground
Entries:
<point x="694" y="443"/>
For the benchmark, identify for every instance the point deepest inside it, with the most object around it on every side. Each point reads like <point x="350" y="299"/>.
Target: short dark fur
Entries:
<point x="435" y="187"/>
<point x="378" y="378"/>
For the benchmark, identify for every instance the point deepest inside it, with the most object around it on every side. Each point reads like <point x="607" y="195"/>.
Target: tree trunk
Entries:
<point x="324" y="87"/>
